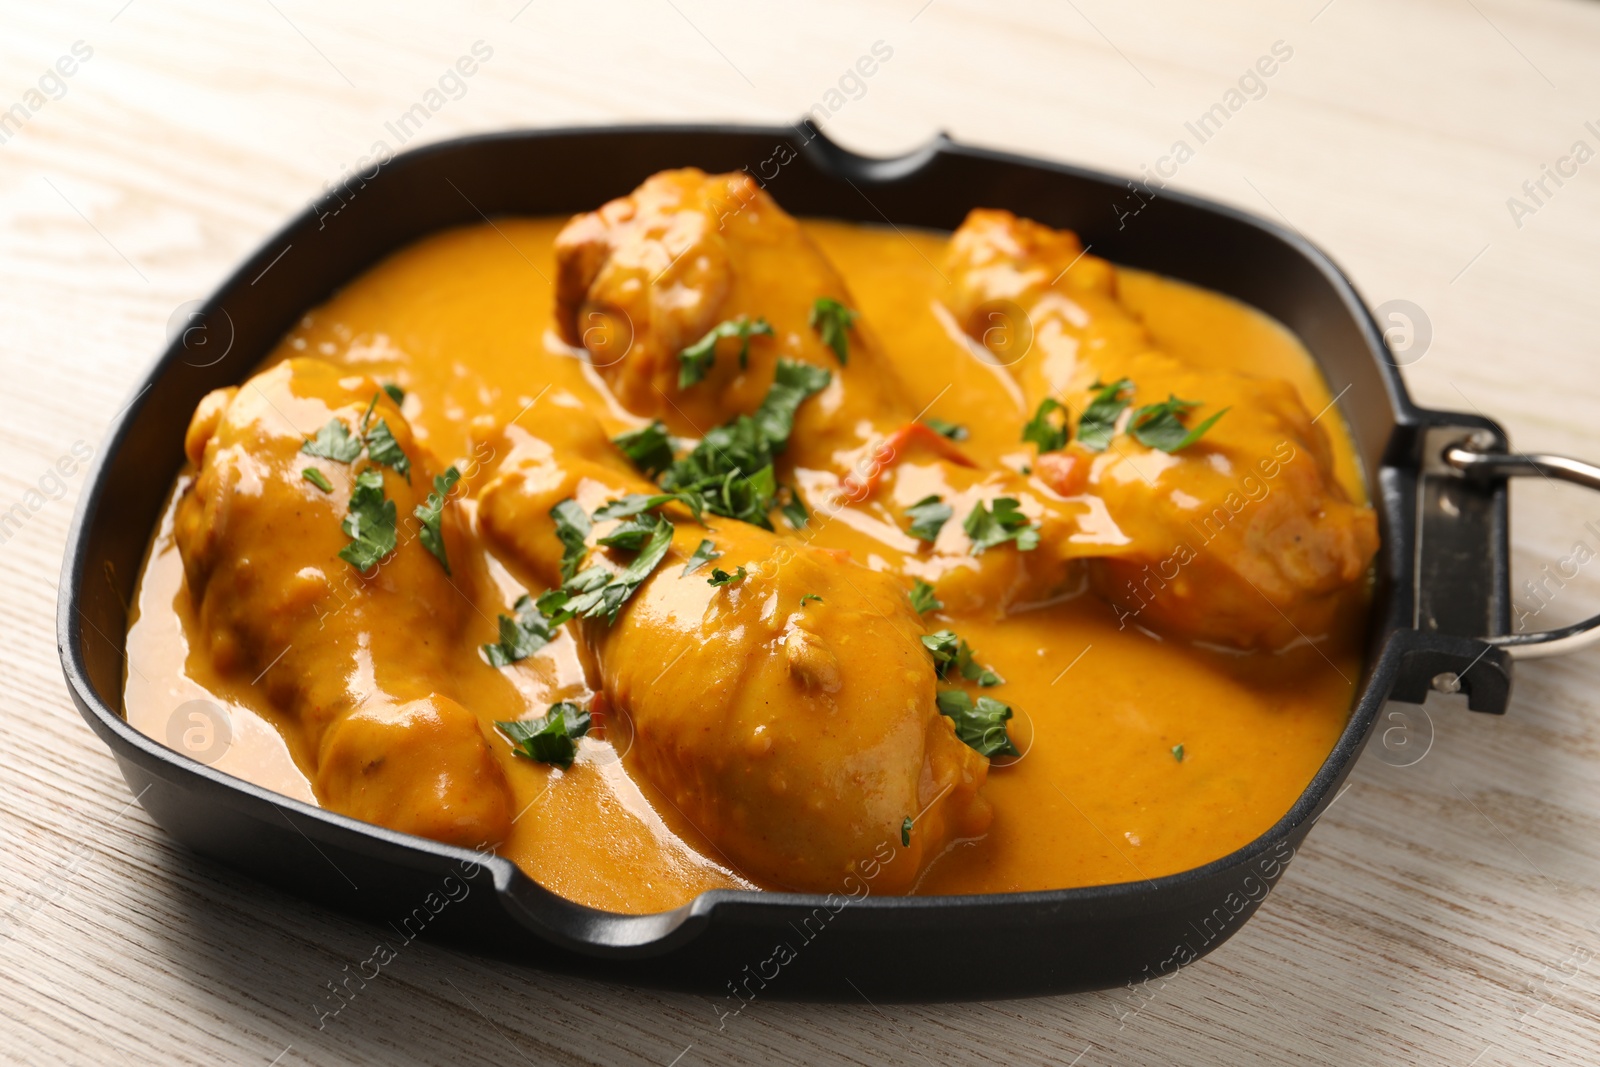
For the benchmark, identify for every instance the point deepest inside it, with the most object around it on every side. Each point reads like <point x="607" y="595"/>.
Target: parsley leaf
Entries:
<point x="633" y="503"/>
<point x="720" y="577"/>
<point x="431" y="511"/>
<point x="370" y="523"/>
<point x="317" y="478"/>
<point x="810" y="596"/>
<point x="730" y="470"/>
<point x="1042" y="431"/>
<point x="982" y="726"/>
<point x="397" y="394"/>
<point x="953" y="431"/>
<point x="923" y="599"/>
<point x="951" y="652"/>
<point x="1177" y="753"/>
<point x="648" y="448"/>
<point x="522" y="633"/>
<point x="383" y="448"/>
<point x="630" y="534"/>
<point x="572" y="528"/>
<point x="832" y="321"/>
<point x="704" y="553"/>
<point x="1160" y="425"/>
<point x="1098" y="424"/>
<point x="793" y="508"/>
<point x="905" y="831"/>
<point x="928" y="516"/>
<point x="696" y="360"/>
<point x="552" y="737"/>
<point x="1006" y="523"/>
<point x="595" y="591"/>
<point x="334" y="441"/>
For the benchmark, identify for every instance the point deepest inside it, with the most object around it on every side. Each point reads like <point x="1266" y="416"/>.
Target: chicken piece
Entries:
<point x="796" y="734"/>
<point x="649" y="274"/>
<point x="359" y="664"/>
<point x="1244" y="538"/>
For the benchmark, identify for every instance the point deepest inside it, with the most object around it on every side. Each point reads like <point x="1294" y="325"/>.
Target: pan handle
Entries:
<point x="1476" y="458"/>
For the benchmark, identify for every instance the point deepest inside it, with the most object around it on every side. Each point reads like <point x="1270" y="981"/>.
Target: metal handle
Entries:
<point x="1471" y="458"/>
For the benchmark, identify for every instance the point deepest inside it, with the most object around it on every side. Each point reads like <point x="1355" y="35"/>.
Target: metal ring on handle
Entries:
<point x="1474" y="463"/>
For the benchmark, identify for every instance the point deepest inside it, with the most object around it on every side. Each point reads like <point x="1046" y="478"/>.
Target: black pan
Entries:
<point x="1440" y="617"/>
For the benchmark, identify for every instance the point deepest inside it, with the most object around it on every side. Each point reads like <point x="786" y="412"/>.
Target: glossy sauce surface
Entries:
<point x="1103" y="792"/>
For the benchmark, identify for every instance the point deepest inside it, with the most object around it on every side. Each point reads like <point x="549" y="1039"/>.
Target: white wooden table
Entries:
<point x="1442" y="913"/>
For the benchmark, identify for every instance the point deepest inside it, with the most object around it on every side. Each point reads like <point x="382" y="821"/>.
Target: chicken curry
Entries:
<point x="684" y="544"/>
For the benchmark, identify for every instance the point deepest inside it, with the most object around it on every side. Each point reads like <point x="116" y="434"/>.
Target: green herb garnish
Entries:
<point x="905" y="831"/>
<point x="1043" y="431"/>
<point x="552" y="737"/>
<point x="522" y="633"/>
<point x="572" y="529"/>
<point x="704" y="553"/>
<point x="832" y="321"/>
<point x="317" y="478"/>
<point x="731" y="470"/>
<point x="596" y="591"/>
<point x="720" y="577"/>
<point x="1098" y="424"/>
<point x="1177" y="753"/>
<point x="696" y="360"/>
<point x="954" y="431"/>
<point x="369" y="524"/>
<point x="397" y="394"/>
<point x="923" y="599"/>
<point x="383" y="448"/>
<point x="1160" y="425"/>
<point x="431" y="512"/>
<point x="648" y="448"/>
<point x="1006" y="523"/>
<point x="334" y="441"/>
<point x="810" y="596"/>
<point x="928" y="516"/>
<point x="951" y="653"/>
<point x="982" y="726"/>
<point x="792" y="507"/>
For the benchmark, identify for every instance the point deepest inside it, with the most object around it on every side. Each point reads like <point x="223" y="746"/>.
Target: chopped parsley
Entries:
<point x="1005" y="523"/>
<point x="810" y="596"/>
<point x="954" y="431"/>
<point x="982" y="726"/>
<point x="720" y="577"/>
<point x="317" y="478"/>
<point x="730" y="472"/>
<point x="923" y="599"/>
<point x="792" y="507"/>
<point x="522" y="633"/>
<point x="951" y="653"/>
<point x="695" y="361"/>
<point x="928" y="516"/>
<point x="552" y="737"/>
<point x="572" y="529"/>
<point x="832" y="321"/>
<point x="369" y="524"/>
<point x="383" y="448"/>
<point x="1177" y="753"/>
<point x="597" y="591"/>
<point x="1098" y="424"/>
<point x="905" y="831"/>
<point x="633" y="503"/>
<point x="1043" y="431"/>
<point x="334" y="441"/>
<point x="397" y="394"/>
<point x="1160" y="425"/>
<point x="431" y="512"/>
<point x="648" y="448"/>
<point x="704" y="553"/>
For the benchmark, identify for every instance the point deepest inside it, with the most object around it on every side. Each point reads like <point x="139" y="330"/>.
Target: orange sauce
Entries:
<point x="1142" y="756"/>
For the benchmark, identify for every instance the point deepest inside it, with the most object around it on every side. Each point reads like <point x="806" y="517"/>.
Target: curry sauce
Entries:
<point x="1159" y="724"/>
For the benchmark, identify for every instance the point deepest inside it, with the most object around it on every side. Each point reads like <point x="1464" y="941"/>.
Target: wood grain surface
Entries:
<point x="1444" y="912"/>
